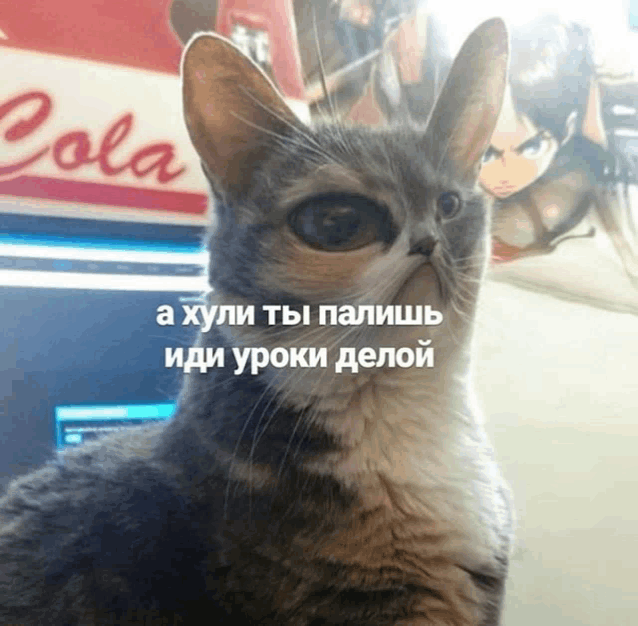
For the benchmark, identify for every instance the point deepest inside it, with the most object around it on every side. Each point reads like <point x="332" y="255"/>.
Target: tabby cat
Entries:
<point x="299" y="496"/>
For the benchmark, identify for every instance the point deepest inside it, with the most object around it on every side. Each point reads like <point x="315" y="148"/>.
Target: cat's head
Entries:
<point x="338" y="215"/>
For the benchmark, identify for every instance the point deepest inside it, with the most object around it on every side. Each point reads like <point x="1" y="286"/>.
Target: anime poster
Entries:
<point x="92" y="129"/>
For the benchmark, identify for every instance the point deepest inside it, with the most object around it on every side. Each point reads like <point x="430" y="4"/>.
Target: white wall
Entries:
<point x="559" y="383"/>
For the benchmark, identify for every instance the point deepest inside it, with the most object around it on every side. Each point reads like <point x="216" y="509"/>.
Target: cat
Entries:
<point x="308" y="495"/>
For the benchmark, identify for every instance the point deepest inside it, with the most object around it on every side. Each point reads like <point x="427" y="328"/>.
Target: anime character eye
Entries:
<point x="491" y="154"/>
<point x="338" y="222"/>
<point x="534" y="147"/>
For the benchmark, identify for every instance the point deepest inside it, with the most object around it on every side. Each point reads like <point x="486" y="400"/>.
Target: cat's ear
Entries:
<point x="467" y="109"/>
<point x="232" y="110"/>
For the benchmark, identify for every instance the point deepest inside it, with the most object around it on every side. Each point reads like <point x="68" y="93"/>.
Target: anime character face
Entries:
<point x="515" y="159"/>
<point x="519" y="153"/>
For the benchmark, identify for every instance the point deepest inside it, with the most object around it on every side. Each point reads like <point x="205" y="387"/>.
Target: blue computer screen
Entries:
<point x="80" y="338"/>
<point x="77" y="424"/>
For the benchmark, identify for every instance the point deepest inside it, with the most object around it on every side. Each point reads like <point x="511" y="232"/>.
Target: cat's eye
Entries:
<point x="338" y="222"/>
<point x="448" y="204"/>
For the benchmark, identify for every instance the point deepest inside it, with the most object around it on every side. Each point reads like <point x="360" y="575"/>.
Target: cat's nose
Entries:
<point x="424" y="246"/>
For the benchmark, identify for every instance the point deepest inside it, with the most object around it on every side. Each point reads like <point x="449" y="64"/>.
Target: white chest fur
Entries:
<point x="420" y="453"/>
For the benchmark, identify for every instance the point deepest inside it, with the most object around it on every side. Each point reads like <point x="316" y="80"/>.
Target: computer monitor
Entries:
<point x="81" y="352"/>
<point x="79" y="423"/>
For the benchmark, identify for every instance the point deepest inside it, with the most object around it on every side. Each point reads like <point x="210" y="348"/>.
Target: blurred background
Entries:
<point x="103" y="209"/>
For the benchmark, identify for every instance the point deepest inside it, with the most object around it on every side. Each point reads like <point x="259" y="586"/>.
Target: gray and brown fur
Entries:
<point x="298" y="496"/>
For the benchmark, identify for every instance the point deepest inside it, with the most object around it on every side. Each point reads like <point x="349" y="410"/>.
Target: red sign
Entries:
<point x="75" y="149"/>
<point x="101" y="124"/>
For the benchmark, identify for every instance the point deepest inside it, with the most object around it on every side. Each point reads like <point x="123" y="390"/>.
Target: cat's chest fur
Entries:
<point x="410" y="503"/>
<point x="418" y="458"/>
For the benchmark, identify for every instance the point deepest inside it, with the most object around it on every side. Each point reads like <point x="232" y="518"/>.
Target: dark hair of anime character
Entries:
<point x="551" y="68"/>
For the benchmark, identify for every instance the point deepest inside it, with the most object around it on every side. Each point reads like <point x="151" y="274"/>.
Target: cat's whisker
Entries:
<point x="311" y="419"/>
<point x="296" y="128"/>
<point x="303" y="418"/>
<point x="283" y="399"/>
<point x="282" y="396"/>
<point x="322" y="72"/>
<point x="238" y="443"/>
<point x="197" y="393"/>
<point x="297" y="131"/>
<point x="285" y="141"/>
<point x="307" y="418"/>
<point x="278" y="403"/>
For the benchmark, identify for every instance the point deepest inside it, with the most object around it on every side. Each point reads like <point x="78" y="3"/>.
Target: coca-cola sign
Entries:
<point x="92" y="133"/>
<point x="77" y="148"/>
